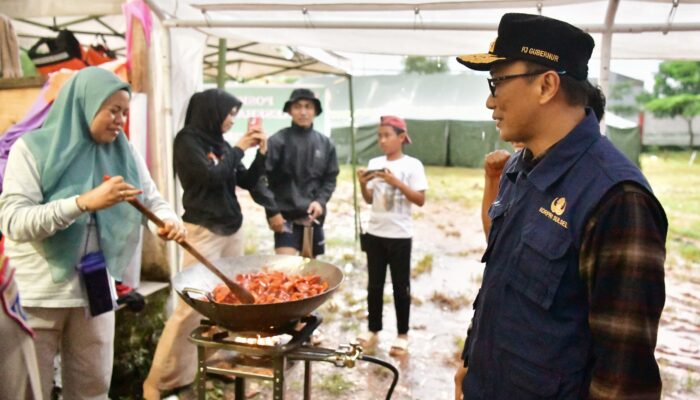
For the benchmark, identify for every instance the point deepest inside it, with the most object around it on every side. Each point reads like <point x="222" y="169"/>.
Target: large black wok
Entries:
<point x="196" y="282"/>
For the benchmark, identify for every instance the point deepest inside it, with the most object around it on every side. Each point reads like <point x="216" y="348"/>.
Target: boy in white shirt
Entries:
<point x="391" y="184"/>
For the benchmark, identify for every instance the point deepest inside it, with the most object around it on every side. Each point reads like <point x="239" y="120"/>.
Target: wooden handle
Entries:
<point x="239" y="291"/>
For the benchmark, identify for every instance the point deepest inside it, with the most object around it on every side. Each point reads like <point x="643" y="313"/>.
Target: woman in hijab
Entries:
<point x="209" y="170"/>
<point x="69" y="231"/>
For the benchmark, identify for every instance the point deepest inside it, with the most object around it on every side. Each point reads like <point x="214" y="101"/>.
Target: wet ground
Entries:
<point x="448" y="243"/>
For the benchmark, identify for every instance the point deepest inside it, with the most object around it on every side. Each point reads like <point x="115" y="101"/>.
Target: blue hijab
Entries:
<point x="70" y="162"/>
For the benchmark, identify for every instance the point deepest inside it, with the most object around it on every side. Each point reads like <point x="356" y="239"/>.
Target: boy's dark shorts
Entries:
<point x="296" y="236"/>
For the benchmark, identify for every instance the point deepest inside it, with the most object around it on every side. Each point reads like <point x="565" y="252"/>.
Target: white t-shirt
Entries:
<point x="391" y="210"/>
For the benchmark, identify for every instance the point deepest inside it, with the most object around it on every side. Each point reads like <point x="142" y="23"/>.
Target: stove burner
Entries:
<point x="266" y="356"/>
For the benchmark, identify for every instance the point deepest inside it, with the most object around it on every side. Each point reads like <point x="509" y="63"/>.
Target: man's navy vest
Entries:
<point x="530" y="337"/>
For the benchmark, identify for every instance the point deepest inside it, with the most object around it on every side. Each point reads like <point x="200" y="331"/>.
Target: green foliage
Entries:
<point x="425" y="265"/>
<point x="676" y="92"/>
<point x="135" y="339"/>
<point x="424" y="65"/>
<point x="684" y="105"/>
<point x="335" y="384"/>
<point x="677" y="77"/>
<point x="619" y="91"/>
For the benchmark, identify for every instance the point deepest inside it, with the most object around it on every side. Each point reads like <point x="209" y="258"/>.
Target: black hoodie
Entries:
<point x="301" y="166"/>
<point x="208" y="167"/>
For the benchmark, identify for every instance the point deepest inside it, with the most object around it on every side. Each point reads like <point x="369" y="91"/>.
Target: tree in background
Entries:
<point x="424" y="65"/>
<point x="617" y="101"/>
<point x="676" y="93"/>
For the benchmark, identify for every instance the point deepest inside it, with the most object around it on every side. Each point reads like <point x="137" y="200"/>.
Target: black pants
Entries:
<point x="397" y="254"/>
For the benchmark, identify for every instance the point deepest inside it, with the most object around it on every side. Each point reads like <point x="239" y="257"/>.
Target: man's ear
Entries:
<point x="550" y="84"/>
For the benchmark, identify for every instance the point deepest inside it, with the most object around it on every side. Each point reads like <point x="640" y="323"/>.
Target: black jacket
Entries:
<point x="301" y="166"/>
<point x="209" y="168"/>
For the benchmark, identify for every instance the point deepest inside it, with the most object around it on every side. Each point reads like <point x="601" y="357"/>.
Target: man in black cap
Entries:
<point x="301" y="168"/>
<point x="573" y="286"/>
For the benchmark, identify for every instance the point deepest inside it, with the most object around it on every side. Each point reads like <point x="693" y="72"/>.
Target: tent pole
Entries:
<point x="428" y="26"/>
<point x="353" y="157"/>
<point x="605" y="52"/>
<point x="221" y="75"/>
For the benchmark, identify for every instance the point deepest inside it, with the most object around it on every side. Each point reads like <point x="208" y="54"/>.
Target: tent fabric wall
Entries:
<point x="628" y="141"/>
<point x="435" y="142"/>
<point x="456" y="143"/>
<point x="470" y="141"/>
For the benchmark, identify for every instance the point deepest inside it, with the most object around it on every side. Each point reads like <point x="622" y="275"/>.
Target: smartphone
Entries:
<point x="254" y="122"/>
<point x="372" y="171"/>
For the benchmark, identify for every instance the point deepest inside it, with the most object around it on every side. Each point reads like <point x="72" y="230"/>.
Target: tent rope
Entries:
<point x="671" y="16"/>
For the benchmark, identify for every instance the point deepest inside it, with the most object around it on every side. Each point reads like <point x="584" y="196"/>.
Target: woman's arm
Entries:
<point x="193" y="164"/>
<point x="153" y="200"/>
<point x="23" y="217"/>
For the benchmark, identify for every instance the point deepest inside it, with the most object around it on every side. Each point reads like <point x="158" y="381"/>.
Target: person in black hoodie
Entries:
<point x="301" y="169"/>
<point x="209" y="170"/>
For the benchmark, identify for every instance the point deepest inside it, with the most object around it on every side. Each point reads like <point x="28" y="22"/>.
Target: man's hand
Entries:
<point x="459" y="377"/>
<point x="276" y="223"/>
<point x="315" y="210"/>
<point x="172" y="230"/>
<point x="495" y="161"/>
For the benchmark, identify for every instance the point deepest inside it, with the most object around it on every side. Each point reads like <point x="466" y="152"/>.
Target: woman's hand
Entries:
<point x="172" y="230"/>
<point x="110" y="192"/>
<point x="262" y="143"/>
<point x="459" y="377"/>
<point x="254" y="137"/>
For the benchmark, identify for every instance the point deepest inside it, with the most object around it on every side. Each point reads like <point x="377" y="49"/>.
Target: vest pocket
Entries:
<point x="527" y="380"/>
<point x="497" y="212"/>
<point x="541" y="265"/>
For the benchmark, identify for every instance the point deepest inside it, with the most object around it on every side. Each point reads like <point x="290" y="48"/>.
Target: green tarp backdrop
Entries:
<point x="446" y="116"/>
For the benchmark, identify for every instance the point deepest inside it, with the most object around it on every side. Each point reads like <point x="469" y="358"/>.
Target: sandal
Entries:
<point x="399" y="347"/>
<point x="368" y="340"/>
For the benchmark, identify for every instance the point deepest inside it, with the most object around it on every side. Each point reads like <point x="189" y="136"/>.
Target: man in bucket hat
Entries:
<point x="301" y="168"/>
<point x="574" y="281"/>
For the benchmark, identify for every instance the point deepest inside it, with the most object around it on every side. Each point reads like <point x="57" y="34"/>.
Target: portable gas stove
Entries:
<point x="251" y="355"/>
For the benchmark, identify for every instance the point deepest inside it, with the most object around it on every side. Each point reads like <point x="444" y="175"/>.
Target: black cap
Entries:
<point x="546" y="41"/>
<point x="303" y="94"/>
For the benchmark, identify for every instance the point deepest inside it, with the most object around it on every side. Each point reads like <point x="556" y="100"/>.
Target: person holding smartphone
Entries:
<point x="391" y="184"/>
<point x="209" y="170"/>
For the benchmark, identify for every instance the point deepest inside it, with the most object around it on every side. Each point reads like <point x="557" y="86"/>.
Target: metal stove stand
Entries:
<point x="266" y="362"/>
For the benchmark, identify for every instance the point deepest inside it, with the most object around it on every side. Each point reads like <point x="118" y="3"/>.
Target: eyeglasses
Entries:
<point x="492" y="81"/>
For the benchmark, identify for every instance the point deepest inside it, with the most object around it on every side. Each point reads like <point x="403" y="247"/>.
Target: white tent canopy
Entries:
<point x="631" y="29"/>
<point x="654" y="29"/>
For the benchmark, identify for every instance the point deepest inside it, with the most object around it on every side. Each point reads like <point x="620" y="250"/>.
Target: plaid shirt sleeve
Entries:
<point x="622" y="265"/>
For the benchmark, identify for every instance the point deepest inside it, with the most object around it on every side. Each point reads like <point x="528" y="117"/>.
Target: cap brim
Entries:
<point x="480" y="62"/>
